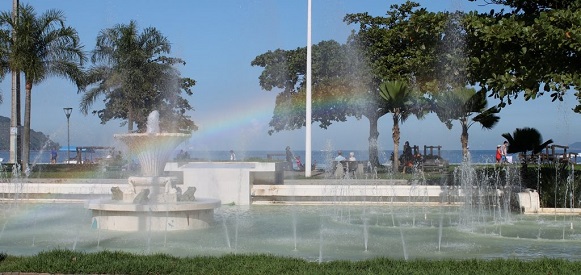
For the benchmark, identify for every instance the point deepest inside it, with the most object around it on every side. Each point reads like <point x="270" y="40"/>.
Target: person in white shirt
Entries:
<point x="352" y="156"/>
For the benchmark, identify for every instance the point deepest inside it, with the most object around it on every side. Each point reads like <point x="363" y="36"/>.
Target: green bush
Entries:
<point x="558" y="185"/>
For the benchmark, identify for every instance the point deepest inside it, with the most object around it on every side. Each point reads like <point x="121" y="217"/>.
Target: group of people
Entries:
<point x="340" y="156"/>
<point x="409" y="158"/>
<point x="501" y="153"/>
<point x="291" y="158"/>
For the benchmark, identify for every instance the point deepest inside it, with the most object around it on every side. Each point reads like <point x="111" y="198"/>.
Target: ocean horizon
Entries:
<point x="319" y="157"/>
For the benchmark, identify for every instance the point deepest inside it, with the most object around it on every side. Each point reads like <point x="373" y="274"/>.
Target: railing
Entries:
<point x="552" y="154"/>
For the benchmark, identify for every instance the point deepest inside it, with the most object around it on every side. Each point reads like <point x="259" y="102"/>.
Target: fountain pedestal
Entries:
<point x="127" y="216"/>
<point x="152" y="201"/>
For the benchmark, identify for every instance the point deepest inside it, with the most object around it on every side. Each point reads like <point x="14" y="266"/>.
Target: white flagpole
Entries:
<point x="308" y="111"/>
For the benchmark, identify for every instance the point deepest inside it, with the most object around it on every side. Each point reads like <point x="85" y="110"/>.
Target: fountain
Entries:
<point x="152" y="201"/>
<point x="371" y="227"/>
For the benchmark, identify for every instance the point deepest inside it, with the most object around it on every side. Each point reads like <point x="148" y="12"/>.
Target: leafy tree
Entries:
<point x="5" y="35"/>
<point x="134" y="73"/>
<point x="286" y="70"/>
<point x="532" y="48"/>
<point x="346" y="78"/>
<point x="461" y="104"/>
<point x="401" y="102"/>
<point x="45" y="47"/>
<point x="401" y="45"/>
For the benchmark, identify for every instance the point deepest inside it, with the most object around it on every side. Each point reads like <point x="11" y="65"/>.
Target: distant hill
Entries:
<point x="38" y="140"/>
<point x="576" y="146"/>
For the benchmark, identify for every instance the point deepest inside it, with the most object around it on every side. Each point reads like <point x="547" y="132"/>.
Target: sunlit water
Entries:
<point x="314" y="233"/>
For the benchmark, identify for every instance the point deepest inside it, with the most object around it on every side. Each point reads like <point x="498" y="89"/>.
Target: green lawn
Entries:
<point x="68" y="262"/>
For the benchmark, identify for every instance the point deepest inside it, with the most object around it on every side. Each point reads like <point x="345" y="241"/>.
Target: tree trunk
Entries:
<point x="395" y="135"/>
<point x="464" y="139"/>
<point x="26" y="130"/>
<point x="373" y="136"/>
<point x="130" y="120"/>
<point x="15" y="121"/>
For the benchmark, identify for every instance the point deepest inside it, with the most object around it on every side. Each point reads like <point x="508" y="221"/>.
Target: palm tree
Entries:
<point x="49" y="49"/>
<point x="134" y="74"/>
<point x="525" y="139"/>
<point x="401" y="102"/>
<point x="460" y="104"/>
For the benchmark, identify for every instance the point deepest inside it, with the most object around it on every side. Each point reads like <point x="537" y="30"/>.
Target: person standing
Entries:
<point x="53" y="156"/>
<point x="232" y="155"/>
<point x="498" y="154"/>
<point x="79" y="157"/>
<point x="289" y="158"/>
<point x="407" y="156"/>
<point x="503" y="150"/>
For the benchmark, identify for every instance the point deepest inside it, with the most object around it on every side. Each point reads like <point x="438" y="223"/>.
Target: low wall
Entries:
<point x="53" y="191"/>
<point x="529" y="203"/>
<point x="384" y="191"/>
<point x="231" y="182"/>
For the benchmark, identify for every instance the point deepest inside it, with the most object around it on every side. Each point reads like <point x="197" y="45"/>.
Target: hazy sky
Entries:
<point x="219" y="39"/>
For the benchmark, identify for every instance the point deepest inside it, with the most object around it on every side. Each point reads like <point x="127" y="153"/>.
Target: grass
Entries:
<point x="109" y="262"/>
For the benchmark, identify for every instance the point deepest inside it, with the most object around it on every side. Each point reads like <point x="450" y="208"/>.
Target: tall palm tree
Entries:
<point x="462" y="103"/>
<point x="6" y="34"/>
<point x="401" y="102"/>
<point x="134" y="73"/>
<point x="45" y="47"/>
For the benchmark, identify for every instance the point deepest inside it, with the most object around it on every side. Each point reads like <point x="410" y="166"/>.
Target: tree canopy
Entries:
<point x="136" y="76"/>
<point x="532" y="48"/>
<point x="286" y="70"/>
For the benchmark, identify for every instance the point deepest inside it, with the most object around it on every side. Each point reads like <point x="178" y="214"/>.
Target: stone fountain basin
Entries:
<point x="127" y="216"/>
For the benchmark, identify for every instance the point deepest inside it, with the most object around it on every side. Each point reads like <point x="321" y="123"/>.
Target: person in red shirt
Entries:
<point x="498" y="153"/>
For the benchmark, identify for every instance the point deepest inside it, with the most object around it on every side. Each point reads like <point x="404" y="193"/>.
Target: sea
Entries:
<point x="319" y="157"/>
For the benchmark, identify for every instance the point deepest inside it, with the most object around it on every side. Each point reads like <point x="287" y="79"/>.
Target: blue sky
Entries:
<point x="219" y="39"/>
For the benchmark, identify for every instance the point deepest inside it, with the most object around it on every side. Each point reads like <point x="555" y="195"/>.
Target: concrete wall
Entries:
<point x="231" y="182"/>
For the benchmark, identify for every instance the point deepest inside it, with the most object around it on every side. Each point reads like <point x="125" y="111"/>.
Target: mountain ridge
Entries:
<point x="575" y="146"/>
<point x="38" y="140"/>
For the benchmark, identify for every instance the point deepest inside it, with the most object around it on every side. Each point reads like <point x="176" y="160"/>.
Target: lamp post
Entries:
<point x="68" y="114"/>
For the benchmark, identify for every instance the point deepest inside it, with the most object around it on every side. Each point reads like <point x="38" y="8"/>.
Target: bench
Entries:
<point x="351" y="167"/>
<point x="551" y="154"/>
<point x="433" y="162"/>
